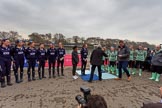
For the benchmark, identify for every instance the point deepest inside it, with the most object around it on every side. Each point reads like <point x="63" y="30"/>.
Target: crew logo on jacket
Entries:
<point x="31" y="53"/>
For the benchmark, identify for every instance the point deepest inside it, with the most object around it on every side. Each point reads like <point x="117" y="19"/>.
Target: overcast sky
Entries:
<point x="137" y="20"/>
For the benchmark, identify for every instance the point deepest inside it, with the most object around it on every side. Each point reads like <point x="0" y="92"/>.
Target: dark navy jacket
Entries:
<point x="84" y="53"/>
<point x="41" y="55"/>
<point x="31" y="54"/>
<point x="5" y="53"/>
<point x="60" y="52"/>
<point x="52" y="54"/>
<point x="18" y="53"/>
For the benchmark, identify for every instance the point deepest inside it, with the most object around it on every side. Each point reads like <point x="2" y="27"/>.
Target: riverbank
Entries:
<point x="60" y="92"/>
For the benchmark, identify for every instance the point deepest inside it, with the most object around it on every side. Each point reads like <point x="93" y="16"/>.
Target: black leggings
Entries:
<point x="31" y="64"/>
<point x="62" y="66"/>
<point x="74" y="69"/>
<point x="139" y="64"/>
<point x="19" y="64"/>
<point x="112" y="63"/>
<point x="83" y="67"/>
<point x="157" y="69"/>
<point x="41" y="66"/>
<point x="131" y="64"/>
<point x="51" y="64"/>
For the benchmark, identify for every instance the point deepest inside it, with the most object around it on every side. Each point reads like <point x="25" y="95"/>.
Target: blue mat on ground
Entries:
<point x="108" y="76"/>
<point x="105" y="75"/>
<point x="87" y="76"/>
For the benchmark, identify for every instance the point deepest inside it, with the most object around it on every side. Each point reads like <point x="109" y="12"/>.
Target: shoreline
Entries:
<point x="60" y="92"/>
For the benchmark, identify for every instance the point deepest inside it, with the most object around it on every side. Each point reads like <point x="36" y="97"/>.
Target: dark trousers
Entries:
<point x="92" y="72"/>
<point x="123" y="65"/>
<point x="74" y="69"/>
<point x="140" y="64"/>
<point x="131" y="64"/>
<point x="157" y="69"/>
<point x="83" y="66"/>
<point x="19" y="63"/>
<point x="51" y="64"/>
<point x="5" y="70"/>
<point x="112" y="63"/>
<point x="1" y="70"/>
<point x="62" y="66"/>
<point x="147" y="64"/>
<point x="31" y="64"/>
<point x="41" y="66"/>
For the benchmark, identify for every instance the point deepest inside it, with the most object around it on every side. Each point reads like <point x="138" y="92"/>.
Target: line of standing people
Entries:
<point x="17" y="54"/>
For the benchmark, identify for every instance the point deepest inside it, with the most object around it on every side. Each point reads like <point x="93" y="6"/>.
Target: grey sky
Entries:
<point x="138" y="20"/>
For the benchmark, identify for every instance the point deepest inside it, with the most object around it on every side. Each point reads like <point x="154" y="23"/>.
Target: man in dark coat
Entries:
<point x="123" y="58"/>
<point x="156" y="63"/>
<point x="75" y="61"/>
<point x="96" y="60"/>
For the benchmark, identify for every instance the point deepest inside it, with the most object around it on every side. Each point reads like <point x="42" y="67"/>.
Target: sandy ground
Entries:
<point x="60" y="92"/>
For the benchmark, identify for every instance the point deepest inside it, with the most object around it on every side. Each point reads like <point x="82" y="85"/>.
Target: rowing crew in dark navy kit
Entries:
<point x="42" y="57"/>
<point x="5" y="63"/>
<point x="60" y="59"/>
<point x="84" y="56"/>
<point x="17" y="54"/>
<point x="52" y="55"/>
<point x="31" y="57"/>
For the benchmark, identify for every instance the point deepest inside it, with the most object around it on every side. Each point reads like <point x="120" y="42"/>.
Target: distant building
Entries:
<point x="70" y="40"/>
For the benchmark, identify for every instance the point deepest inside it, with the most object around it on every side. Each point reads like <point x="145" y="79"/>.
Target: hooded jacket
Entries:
<point x="157" y="59"/>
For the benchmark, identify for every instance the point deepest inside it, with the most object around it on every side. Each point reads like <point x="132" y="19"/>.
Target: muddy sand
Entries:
<point x="60" y="92"/>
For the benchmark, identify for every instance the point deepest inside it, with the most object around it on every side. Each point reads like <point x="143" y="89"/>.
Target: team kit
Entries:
<point x="16" y="55"/>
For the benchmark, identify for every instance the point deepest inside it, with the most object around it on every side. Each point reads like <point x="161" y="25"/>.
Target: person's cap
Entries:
<point x="30" y="42"/>
<point x="18" y="41"/>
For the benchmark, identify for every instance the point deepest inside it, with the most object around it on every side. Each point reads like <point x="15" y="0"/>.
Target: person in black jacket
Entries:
<point x="5" y="62"/>
<point x="31" y="57"/>
<point x="123" y="58"/>
<point x="52" y="55"/>
<point x="84" y="54"/>
<point x="75" y="61"/>
<point x="60" y="59"/>
<point x="42" y="57"/>
<point x="156" y="64"/>
<point x="18" y="55"/>
<point x="96" y="60"/>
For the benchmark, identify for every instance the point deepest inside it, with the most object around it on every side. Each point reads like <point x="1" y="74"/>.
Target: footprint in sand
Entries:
<point x="19" y="96"/>
<point x="59" y="100"/>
